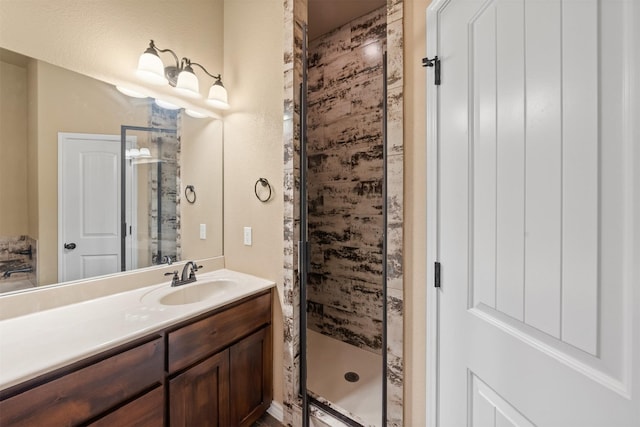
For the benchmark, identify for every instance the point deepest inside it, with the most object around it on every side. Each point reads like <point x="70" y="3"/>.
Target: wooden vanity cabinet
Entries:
<point x="220" y="367"/>
<point x="199" y="396"/>
<point x="85" y="390"/>
<point x="250" y="373"/>
<point x="145" y="411"/>
<point x="215" y="370"/>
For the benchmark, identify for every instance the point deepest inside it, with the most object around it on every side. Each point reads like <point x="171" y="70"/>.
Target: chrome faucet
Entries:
<point x="8" y="273"/>
<point x="188" y="274"/>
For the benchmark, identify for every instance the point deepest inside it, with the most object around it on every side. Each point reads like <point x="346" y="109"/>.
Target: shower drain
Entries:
<point x="352" y="377"/>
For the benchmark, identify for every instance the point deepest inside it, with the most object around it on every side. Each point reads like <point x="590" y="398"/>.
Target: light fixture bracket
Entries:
<point x="171" y="73"/>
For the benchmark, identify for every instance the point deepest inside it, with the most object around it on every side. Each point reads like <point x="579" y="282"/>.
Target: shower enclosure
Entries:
<point x="344" y="220"/>
<point x="340" y="202"/>
<point x="150" y="222"/>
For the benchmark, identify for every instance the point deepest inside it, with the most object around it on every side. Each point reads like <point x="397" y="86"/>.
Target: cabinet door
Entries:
<point x="251" y="375"/>
<point x="200" y="395"/>
<point x="145" y="411"/>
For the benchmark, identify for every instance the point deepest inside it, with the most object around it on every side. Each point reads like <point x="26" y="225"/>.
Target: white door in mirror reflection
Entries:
<point x="89" y="202"/>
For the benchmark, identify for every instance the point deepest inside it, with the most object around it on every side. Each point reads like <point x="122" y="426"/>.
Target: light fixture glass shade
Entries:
<point x="151" y="69"/>
<point x="187" y="83"/>
<point x="218" y="96"/>
<point x="166" y="105"/>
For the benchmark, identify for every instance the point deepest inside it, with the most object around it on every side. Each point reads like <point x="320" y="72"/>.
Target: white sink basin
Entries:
<point x="197" y="292"/>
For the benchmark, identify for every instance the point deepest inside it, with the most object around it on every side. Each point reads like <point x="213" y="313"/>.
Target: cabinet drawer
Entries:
<point x="86" y="392"/>
<point x="193" y="342"/>
<point x="145" y="411"/>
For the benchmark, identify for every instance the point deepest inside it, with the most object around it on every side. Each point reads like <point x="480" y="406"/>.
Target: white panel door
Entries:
<point x="534" y="213"/>
<point x="89" y="205"/>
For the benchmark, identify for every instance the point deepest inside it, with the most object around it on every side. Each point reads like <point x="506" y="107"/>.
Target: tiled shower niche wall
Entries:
<point x="345" y="146"/>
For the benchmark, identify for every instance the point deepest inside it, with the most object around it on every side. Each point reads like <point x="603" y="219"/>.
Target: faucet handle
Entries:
<point x="175" y="277"/>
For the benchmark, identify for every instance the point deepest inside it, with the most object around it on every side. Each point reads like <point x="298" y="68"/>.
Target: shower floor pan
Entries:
<point x="328" y="360"/>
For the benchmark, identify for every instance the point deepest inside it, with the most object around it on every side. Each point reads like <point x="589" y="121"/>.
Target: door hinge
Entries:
<point x="435" y="63"/>
<point x="436" y="274"/>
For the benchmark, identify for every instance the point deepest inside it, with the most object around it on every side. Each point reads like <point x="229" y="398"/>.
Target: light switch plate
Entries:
<point x="247" y="236"/>
<point x="203" y="231"/>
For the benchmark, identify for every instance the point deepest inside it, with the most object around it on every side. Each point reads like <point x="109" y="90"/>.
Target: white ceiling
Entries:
<point x="326" y="15"/>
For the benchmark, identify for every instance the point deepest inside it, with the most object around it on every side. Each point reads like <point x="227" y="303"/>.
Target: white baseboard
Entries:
<point x="276" y="411"/>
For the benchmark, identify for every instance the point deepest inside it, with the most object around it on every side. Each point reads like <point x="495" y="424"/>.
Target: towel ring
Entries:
<point x="265" y="183"/>
<point x="190" y="194"/>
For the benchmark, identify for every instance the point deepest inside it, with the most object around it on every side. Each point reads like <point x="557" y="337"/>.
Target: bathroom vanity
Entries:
<point x="208" y="364"/>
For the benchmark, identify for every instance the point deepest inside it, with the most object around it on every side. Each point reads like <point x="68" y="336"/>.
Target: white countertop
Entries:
<point x="41" y="342"/>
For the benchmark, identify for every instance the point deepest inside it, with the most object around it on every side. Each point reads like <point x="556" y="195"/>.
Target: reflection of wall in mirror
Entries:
<point x="13" y="150"/>
<point x="58" y="101"/>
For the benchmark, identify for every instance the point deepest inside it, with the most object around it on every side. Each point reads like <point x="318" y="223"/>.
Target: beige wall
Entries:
<point x="13" y="150"/>
<point x="201" y="159"/>
<point x="32" y="151"/>
<point x="104" y="39"/>
<point x="415" y="211"/>
<point x="253" y="146"/>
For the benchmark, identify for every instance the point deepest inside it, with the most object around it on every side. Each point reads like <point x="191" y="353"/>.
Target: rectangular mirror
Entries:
<point x="95" y="182"/>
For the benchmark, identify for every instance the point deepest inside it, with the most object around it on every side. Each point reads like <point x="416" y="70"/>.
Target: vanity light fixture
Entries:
<point x="181" y="76"/>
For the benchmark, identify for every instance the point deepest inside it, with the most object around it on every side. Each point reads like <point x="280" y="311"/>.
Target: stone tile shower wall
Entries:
<point x="13" y="256"/>
<point x="164" y="210"/>
<point x="345" y="147"/>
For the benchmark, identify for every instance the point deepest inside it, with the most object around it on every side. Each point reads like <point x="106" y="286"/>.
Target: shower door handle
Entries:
<point x="70" y="246"/>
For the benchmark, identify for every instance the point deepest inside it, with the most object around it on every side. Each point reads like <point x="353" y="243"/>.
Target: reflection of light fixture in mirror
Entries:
<point x="194" y="114"/>
<point x="135" y="153"/>
<point x="130" y="92"/>
<point x="181" y="76"/>
<point x="166" y="105"/>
